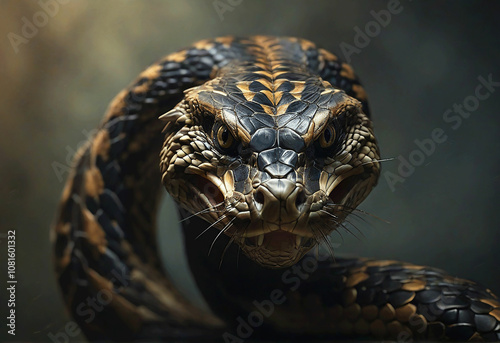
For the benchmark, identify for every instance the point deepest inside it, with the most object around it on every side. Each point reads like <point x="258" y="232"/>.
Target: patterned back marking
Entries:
<point x="105" y="235"/>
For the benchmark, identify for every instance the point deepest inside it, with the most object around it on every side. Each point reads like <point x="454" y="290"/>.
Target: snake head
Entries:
<point x="275" y="164"/>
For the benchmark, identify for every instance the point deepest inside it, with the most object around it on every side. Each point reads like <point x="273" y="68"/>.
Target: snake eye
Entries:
<point x="327" y="137"/>
<point x="224" y="137"/>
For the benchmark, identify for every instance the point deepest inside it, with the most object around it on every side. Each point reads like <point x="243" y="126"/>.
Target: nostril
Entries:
<point x="259" y="200"/>
<point x="259" y="197"/>
<point x="300" y="200"/>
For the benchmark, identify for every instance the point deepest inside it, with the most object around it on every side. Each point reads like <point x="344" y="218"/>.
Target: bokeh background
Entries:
<point x="57" y="85"/>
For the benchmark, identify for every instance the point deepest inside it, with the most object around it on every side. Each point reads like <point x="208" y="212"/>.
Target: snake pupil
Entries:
<point x="225" y="136"/>
<point x="328" y="135"/>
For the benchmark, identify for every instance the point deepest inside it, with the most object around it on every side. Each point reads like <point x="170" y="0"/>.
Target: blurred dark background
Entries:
<point x="427" y="58"/>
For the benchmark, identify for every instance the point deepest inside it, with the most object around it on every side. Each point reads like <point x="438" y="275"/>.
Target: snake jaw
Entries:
<point x="276" y="189"/>
<point x="277" y="249"/>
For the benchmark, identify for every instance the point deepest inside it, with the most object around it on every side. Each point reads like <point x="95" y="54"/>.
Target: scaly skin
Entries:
<point x="271" y="139"/>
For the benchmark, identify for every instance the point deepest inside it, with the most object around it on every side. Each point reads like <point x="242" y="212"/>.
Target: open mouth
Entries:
<point x="277" y="240"/>
<point x="342" y="189"/>
<point x="276" y="249"/>
<point x="208" y="189"/>
<point x="271" y="245"/>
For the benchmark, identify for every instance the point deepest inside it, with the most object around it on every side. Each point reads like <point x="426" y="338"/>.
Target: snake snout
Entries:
<point x="279" y="200"/>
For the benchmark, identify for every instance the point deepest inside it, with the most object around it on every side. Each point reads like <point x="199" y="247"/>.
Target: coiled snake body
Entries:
<point x="268" y="141"/>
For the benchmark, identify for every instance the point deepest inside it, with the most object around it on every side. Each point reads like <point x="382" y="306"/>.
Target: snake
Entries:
<point x="266" y="145"/>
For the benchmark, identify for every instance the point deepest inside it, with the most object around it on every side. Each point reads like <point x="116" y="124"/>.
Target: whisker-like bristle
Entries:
<point x="349" y="231"/>
<point x="379" y="160"/>
<point x="342" y="224"/>
<point x="225" y="249"/>
<point x="326" y="241"/>
<point x="228" y="225"/>
<point x="341" y="236"/>
<point x="208" y="209"/>
<point x="355" y="215"/>
<point x="373" y="216"/>
<point x="349" y="210"/>
<point x="238" y="258"/>
<point x="322" y="238"/>
<point x="354" y="226"/>
<point x="330" y="214"/>
<point x="235" y="237"/>
<point x="212" y="225"/>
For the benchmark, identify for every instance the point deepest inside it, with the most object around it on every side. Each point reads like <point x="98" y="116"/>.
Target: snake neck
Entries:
<point x="224" y="272"/>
